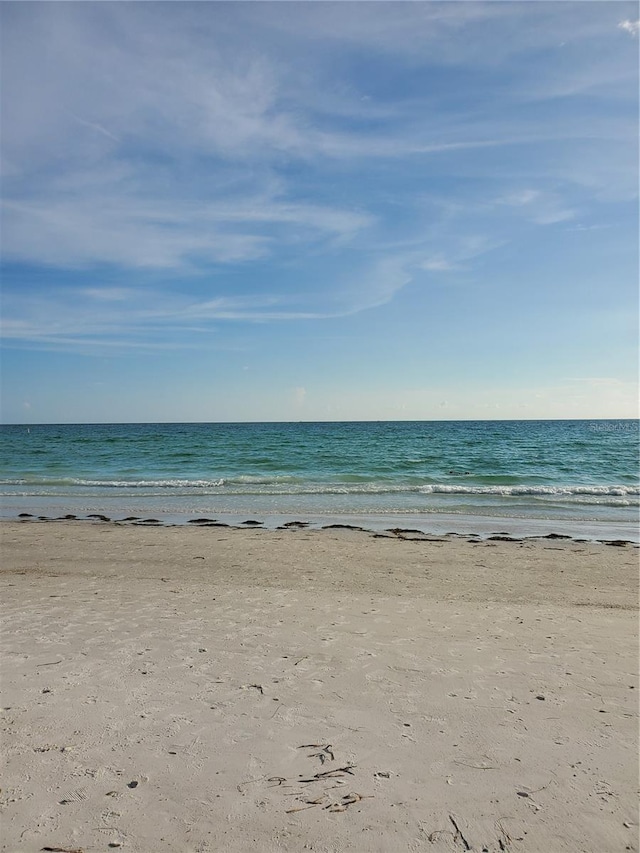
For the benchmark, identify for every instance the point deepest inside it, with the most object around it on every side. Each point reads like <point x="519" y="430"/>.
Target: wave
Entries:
<point x="250" y="484"/>
<point x="113" y="484"/>
<point x="555" y="491"/>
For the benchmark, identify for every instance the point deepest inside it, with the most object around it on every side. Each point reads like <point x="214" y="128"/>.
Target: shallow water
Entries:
<point x="558" y="472"/>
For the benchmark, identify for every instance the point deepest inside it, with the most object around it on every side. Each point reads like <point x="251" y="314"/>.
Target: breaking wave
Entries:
<point x="612" y="494"/>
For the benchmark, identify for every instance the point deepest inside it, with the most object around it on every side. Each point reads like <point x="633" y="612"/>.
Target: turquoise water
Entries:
<point x="570" y="471"/>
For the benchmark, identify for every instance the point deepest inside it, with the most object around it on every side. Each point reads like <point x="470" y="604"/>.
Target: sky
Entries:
<point x="247" y="211"/>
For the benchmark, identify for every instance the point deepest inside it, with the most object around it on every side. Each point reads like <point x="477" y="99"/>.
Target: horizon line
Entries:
<point x="348" y="421"/>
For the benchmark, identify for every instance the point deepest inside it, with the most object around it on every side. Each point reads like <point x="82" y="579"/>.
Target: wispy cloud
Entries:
<point x="122" y="318"/>
<point x="438" y="264"/>
<point x="541" y="208"/>
<point x="160" y="233"/>
<point x="253" y="160"/>
<point x="107" y="294"/>
<point x="95" y="126"/>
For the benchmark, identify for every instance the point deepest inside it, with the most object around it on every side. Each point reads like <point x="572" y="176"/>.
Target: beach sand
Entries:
<point x="217" y="689"/>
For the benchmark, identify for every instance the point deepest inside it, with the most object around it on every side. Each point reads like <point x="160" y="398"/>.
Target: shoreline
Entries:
<point x="192" y="689"/>
<point x="453" y="526"/>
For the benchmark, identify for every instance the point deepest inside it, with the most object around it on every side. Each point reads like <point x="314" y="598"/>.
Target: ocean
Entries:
<point x="579" y="477"/>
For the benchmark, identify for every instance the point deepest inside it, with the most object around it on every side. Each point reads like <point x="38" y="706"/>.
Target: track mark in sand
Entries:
<point x="340" y="805"/>
<point x="48" y="747"/>
<point x="77" y="796"/>
<point x="459" y="836"/>
<point x="484" y="763"/>
<point x="464" y="840"/>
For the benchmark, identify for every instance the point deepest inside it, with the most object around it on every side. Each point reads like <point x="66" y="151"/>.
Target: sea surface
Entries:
<point x="506" y="476"/>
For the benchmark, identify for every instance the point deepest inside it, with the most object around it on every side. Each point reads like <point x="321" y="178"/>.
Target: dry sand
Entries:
<point x="181" y="689"/>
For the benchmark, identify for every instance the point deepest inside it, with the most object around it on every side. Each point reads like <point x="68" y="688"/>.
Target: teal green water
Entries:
<point x="571" y="470"/>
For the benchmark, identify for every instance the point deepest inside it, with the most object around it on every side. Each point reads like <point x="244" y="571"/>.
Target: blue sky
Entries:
<point x="319" y="211"/>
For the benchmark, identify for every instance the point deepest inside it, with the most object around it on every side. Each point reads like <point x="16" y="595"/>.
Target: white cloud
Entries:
<point x="539" y="207"/>
<point x="631" y="27"/>
<point x="437" y="264"/>
<point x="581" y="227"/>
<point x="133" y="231"/>
<point x="552" y="216"/>
<point x="73" y="93"/>
<point x="595" y="380"/>
<point x="520" y="198"/>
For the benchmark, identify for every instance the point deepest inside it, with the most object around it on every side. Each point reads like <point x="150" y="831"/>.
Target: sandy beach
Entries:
<point x="218" y="689"/>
